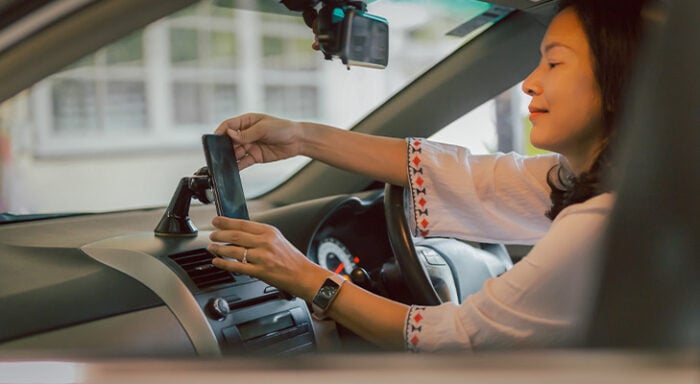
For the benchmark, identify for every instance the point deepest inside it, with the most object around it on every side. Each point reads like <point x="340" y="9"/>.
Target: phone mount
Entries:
<point x="176" y="219"/>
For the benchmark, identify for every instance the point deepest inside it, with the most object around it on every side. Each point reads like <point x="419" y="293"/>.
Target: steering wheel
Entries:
<point x="412" y="269"/>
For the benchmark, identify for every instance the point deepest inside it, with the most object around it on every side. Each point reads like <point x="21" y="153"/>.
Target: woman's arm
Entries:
<point x="260" y="139"/>
<point x="270" y="257"/>
<point x="372" y="317"/>
<point x="382" y="158"/>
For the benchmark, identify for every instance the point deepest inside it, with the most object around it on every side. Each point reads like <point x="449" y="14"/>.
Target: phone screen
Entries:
<point x="224" y="176"/>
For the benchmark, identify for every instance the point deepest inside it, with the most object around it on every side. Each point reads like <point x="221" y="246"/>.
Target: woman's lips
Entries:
<point x="536" y="112"/>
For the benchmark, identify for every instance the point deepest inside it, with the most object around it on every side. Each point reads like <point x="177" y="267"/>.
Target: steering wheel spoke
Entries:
<point x="413" y="270"/>
<point x="439" y="270"/>
<point x="439" y="273"/>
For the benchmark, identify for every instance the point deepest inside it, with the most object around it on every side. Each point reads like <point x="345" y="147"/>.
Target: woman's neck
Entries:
<point x="582" y="161"/>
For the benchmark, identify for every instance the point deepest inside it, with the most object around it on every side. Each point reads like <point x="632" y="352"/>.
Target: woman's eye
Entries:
<point x="552" y="65"/>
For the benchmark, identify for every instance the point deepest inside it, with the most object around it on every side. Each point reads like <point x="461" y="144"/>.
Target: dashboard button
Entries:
<point x="432" y="257"/>
<point x="218" y="308"/>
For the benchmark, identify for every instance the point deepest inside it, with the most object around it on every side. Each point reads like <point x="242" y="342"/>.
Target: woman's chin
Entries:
<point x="540" y="142"/>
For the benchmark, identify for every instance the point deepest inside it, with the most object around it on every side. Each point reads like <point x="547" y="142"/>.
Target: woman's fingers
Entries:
<point x="240" y="253"/>
<point x="234" y="266"/>
<point x="241" y="233"/>
<point x="246" y="161"/>
<point x="241" y="256"/>
<point x="230" y="251"/>
<point x="241" y="151"/>
<point x="235" y="237"/>
<point x="239" y="123"/>
<point x="243" y="129"/>
<point x="244" y="156"/>
<point x="225" y="223"/>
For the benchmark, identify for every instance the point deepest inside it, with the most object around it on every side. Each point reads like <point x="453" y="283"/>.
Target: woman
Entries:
<point x="542" y="301"/>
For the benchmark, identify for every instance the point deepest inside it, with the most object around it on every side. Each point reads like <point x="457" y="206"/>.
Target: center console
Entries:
<point x="222" y="313"/>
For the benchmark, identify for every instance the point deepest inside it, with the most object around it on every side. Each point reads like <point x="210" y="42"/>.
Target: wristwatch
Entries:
<point x="325" y="296"/>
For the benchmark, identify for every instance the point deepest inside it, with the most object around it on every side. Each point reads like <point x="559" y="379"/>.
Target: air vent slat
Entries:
<point x="197" y="265"/>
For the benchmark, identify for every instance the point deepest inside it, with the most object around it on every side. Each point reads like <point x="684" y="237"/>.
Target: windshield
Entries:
<point x="118" y="129"/>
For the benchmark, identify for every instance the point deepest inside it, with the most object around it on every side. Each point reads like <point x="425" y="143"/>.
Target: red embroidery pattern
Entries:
<point x="418" y="190"/>
<point x="414" y="328"/>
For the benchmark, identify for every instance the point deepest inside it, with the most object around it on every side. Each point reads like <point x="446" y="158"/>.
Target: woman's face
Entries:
<point x="565" y="109"/>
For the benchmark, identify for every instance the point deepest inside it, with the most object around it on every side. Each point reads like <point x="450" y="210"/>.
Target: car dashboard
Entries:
<point x="104" y="284"/>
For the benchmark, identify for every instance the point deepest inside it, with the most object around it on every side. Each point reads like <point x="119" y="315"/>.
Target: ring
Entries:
<point x="244" y="260"/>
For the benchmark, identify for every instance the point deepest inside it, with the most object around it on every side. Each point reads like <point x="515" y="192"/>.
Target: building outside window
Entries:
<point x="138" y="107"/>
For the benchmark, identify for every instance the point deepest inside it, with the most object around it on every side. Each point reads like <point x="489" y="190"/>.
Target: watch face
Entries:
<point x="326" y="293"/>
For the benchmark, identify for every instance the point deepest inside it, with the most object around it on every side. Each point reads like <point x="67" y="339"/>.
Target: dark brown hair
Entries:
<point x="613" y="31"/>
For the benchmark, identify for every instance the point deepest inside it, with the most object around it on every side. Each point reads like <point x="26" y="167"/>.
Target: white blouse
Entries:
<point x="502" y="198"/>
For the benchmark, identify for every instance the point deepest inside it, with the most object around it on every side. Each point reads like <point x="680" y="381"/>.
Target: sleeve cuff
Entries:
<point x="414" y="328"/>
<point x="418" y="192"/>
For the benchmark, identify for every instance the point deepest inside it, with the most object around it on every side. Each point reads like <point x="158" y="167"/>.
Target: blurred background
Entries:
<point x="118" y="129"/>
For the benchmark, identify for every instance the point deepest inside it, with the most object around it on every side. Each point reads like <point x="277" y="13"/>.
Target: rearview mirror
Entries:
<point x="357" y="38"/>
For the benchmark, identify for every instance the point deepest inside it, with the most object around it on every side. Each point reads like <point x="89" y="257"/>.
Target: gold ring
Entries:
<point x="244" y="260"/>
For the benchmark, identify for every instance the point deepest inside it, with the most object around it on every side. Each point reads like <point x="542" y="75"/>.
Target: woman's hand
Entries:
<point x="260" y="250"/>
<point x="259" y="138"/>
<point x="268" y="256"/>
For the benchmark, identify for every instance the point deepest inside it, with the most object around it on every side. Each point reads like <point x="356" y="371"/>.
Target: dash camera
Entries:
<point x="345" y="30"/>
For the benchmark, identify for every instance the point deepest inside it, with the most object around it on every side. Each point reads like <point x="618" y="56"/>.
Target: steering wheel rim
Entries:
<point x="412" y="269"/>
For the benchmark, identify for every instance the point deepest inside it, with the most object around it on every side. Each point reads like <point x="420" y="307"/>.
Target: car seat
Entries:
<point x="649" y="296"/>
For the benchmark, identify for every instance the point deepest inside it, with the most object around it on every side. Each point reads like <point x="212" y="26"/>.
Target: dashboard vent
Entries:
<point x="197" y="265"/>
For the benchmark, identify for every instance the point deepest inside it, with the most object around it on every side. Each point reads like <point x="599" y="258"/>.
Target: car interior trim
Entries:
<point x="165" y="283"/>
<point x="47" y="14"/>
<point x="47" y="287"/>
<point x="91" y="25"/>
<point x="128" y="334"/>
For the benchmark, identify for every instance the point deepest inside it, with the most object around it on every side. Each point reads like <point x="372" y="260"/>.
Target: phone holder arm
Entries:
<point x="176" y="220"/>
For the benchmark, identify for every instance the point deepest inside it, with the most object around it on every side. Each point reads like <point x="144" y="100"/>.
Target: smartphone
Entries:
<point x="224" y="177"/>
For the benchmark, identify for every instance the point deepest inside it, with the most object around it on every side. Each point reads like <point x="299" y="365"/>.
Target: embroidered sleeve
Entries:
<point x="419" y="192"/>
<point x="543" y="301"/>
<point x="412" y="336"/>
<point x="491" y="198"/>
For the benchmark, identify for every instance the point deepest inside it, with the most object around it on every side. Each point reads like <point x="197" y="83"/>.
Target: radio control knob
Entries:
<point x="218" y="308"/>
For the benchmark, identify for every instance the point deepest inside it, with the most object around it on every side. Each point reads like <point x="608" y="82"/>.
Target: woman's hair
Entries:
<point x="613" y="30"/>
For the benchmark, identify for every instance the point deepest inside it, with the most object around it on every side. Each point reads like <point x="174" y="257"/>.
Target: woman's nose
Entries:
<point x="529" y="90"/>
<point x="531" y="86"/>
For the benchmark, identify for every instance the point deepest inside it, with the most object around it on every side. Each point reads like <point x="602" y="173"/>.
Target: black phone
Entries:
<point x="224" y="176"/>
